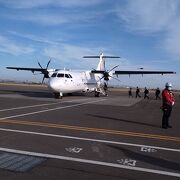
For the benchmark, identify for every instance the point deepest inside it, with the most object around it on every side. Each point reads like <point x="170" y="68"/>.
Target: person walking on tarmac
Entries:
<point x="137" y="92"/>
<point x="130" y="92"/>
<point x="146" y="92"/>
<point x="167" y="104"/>
<point x="157" y="93"/>
<point x="105" y="89"/>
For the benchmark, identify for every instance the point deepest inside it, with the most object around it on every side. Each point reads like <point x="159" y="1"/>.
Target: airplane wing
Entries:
<point x="28" y="69"/>
<point x="142" y="72"/>
<point x="43" y="71"/>
<point x="107" y="75"/>
<point x="133" y="72"/>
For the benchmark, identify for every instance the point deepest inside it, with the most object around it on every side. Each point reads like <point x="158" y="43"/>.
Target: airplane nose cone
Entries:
<point x="53" y="85"/>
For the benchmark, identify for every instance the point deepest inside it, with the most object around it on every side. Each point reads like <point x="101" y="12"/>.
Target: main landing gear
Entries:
<point x="96" y="94"/>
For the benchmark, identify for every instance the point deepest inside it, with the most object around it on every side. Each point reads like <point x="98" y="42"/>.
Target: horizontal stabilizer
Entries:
<point x="101" y="56"/>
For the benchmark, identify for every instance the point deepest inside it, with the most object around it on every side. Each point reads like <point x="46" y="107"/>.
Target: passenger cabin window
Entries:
<point x="70" y="76"/>
<point x="60" y="75"/>
<point x="54" y="75"/>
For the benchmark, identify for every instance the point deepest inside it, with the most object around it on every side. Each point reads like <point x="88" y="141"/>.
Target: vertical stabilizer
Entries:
<point x="101" y="64"/>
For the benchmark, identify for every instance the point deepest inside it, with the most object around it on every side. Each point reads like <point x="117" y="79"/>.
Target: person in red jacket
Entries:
<point x="167" y="104"/>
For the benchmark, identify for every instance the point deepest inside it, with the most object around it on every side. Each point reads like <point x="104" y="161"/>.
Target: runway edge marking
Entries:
<point x="101" y="163"/>
<point x="88" y="139"/>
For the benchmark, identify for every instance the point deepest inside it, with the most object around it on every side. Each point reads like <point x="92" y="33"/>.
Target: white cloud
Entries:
<point x="71" y="55"/>
<point x="8" y="46"/>
<point x="46" y="19"/>
<point x="148" y="16"/>
<point x="53" y="18"/>
<point x="24" y="4"/>
<point x="54" y="3"/>
<point x="78" y="3"/>
<point x="155" y="16"/>
<point x="172" y="40"/>
<point x="36" y="38"/>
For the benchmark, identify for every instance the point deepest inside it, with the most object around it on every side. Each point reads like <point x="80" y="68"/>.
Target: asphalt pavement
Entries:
<point x="84" y="137"/>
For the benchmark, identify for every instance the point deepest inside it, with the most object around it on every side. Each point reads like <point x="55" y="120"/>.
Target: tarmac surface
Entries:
<point x="83" y="137"/>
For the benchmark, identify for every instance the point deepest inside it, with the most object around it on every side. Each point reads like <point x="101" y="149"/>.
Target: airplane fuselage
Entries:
<point x="64" y="81"/>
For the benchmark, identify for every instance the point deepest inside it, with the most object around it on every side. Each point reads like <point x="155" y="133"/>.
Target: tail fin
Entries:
<point x="101" y="64"/>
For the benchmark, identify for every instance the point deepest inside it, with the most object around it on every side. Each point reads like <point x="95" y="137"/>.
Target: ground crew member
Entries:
<point x="137" y="92"/>
<point x="105" y="89"/>
<point x="167" y="104"/>
<point x="130" y="92"/>
<point x="157" y="93"/>
<point x="146" y="92"/>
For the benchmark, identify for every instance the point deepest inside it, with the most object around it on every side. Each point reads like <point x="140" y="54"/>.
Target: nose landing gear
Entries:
<point x="58" y="95"/>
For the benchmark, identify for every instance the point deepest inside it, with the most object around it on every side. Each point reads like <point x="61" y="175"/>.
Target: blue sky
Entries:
<point x="144" y="33"/>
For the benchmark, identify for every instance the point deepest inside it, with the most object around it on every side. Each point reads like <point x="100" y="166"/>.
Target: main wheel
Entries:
<point x="96" y="94"/>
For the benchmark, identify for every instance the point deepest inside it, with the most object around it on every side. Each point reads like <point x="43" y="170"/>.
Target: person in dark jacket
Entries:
<point x="137" y="92"/>
<point x="130" y="92"/>
<point x="146" y="92"/>
<point x="157" y="93"/>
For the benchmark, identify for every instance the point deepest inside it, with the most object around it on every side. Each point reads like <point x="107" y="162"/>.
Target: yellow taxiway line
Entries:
<point x="96" y="130"/>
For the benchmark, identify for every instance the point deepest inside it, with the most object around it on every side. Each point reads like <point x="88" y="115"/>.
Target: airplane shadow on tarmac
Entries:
<point x="124" y="120"/>
<point x="44" y="94"/>
<point x="148" y="159"/>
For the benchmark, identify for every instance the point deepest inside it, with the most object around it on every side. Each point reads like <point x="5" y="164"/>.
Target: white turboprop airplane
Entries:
<point x="66" y="81"/>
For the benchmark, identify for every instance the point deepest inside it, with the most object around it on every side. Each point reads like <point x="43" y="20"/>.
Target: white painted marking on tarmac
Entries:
<point x="74" y="149"/>
<point x="52" y="109"/>
<point x="127" y="162"/>
<point x="39" y="105"/>
<point x="87" y="161"/>
<point x="89" y="139"/>
<point x="25" y="107"/>
<point x="148" y="149"/>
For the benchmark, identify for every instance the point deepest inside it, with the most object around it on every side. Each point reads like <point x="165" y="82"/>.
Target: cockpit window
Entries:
<point x="60" y="75"/>
<point x="70" y="76"/>
<point x="54" y="75"/>
<point x="66" y="75"/>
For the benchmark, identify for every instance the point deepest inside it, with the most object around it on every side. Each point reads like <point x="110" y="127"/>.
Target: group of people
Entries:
<point x="168" y="101"/>
<point x="146" y="93"/>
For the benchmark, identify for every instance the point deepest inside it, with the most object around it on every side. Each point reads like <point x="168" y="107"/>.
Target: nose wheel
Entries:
<point x="58" y="95"/>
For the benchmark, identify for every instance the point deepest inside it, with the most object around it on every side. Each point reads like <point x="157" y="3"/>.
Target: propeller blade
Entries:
<point x="115" y="78"/>
<point x="48" y="63"/>
<point x="113" y="68"/>
<point x="100" y="78"/>
<point x="40" y="65"/>
<point x="43" y="80"/>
